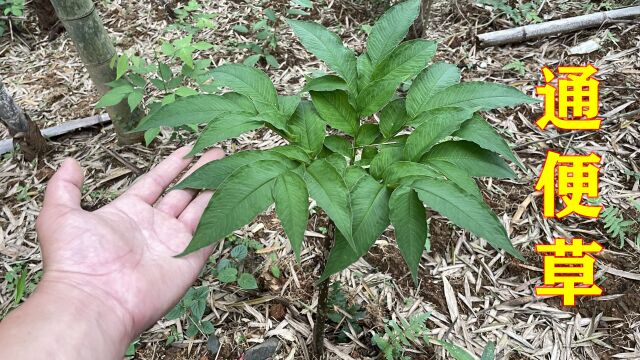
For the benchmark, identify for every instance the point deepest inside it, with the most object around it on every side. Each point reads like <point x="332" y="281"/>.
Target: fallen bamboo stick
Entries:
<point x="64" y="128"/>
<point x="534" y="31"/>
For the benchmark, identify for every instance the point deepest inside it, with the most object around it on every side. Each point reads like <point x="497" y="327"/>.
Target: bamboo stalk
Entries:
<point x="21" y="128"/>
<point x="534" y="31"/>
<point x="96" y="51"/>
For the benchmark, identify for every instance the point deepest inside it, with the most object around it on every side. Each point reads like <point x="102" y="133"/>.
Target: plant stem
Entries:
<point x="323" y="298"/>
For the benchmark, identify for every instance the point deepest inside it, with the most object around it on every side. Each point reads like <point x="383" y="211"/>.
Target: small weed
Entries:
<point x="226" y="271"/>
<point x="343" y="314"/>
<point x="192" y="307"/>
<point x="191" y="19"/>
<point x="517" y="66"/>
<point x="397" y="336"/>
<point x="527" y="12"/>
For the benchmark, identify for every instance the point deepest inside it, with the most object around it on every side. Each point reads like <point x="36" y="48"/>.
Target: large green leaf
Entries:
<point x="458" y="175"/>
<point x="370" y="209"/>
<point x="367" y="134"/>
<point x="244" y="194"/>
<point x="385" y="158"/>
<point x="352" y="176"/>
<point x="432" y="80"/>
<point x="335" y="109"/>
<point x="396" y="174"/>
<point x="365" y="69"/>
<point x="391" y="28"/>
<point x="479" y="131"/>
<point x="470" y="157"/>
<point x="436" y="125"/>
<point x="293" y="152"/>
<point x="223" y="128"/>
<point x="327" y="46"/>
<point x="405" y="61"/>
<point x="249" y="82"/>
<point x="477" y="96"/>
<point x="325" y="83"/>
<point x="393" y="118"/>
<point x="375" y="96"/>
<point x="370" y="203"/>
<point x="464" y="210"/>
<point x="292" y="207"/>
<point x="339" y="145"/>
<point x="288" y="105"/>
<point x="214" y="173"/>
<point x="328" y="189"/>
<point x="307" y="128"/>
<point x="195" y="109"/>
<point x="409" y="219"/>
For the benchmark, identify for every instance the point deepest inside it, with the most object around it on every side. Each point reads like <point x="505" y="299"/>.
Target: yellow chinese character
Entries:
<point x="562" y="272"/>
<point x="577" y="176"/>
<point x="577" y="92"/>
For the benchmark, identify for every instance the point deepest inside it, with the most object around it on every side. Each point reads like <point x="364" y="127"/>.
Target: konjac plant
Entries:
<point x="368" y="155"/>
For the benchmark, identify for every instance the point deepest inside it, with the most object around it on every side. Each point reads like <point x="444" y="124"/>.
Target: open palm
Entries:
<point x="124" y="253"/>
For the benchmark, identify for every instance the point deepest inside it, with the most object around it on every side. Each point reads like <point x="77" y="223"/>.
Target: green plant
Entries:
<point x="192" y="306"/>
<point x="525" y="12"/>
<point x="369" y="171"/>
<point x="227" y="269"/>
<point x="191" y="19"/>
<point x="459" y="353"/>
<point x="397" y="336"/>
<point x="18" y="282"/>
<point x="517" y="66"/>
<point x="10" y="8"/>
<point x="617" y="226"/>
<point x="343" y="314"/>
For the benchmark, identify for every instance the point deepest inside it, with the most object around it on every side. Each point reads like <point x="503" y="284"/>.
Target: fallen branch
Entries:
<point x="561" y="26"/>
<point x="64" y="128"/>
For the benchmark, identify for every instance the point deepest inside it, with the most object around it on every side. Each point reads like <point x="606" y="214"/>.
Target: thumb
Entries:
<point x="65" y="187"/>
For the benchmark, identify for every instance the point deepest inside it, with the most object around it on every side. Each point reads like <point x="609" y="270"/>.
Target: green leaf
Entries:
<point x="251" y="60"/>
<point x="370" y="201"/>
<point x="246" y="281"/>
<point x="239" y="252"/>
<point x="409" y="219"/>
<point x="271" y="61"/>
<point x="370" y="209"/>
<point x="456" y="351"/>
<point x="244" y="104"/>
<point x="338" y="162"/>
<point x="367" y="134"/>
<point x="352" y="176"/>
<point x="339" y="145"/>
<point x="249" y="82"/>
<point x="212" y="174"/>
<point x="207" y="327"/>
<point x="240" y="29"/>
<point x="292" y="152"/>
<point x="464" y="210"/>
<point x="435" y="125"/>
<point x="325" y="83"/>
<point x="292" y="207"/>
<point x="134" y="99"/>
<point x="202" y="45"/>
<point x="470" y="157"/>
<point x="400" y="171"/>
<point x="335" y="109"/>
<point x="458" y="175"/>
<point x="114" y="96"/>
<point x="244" y="194"/>
<point x="478" y="96"/>
<point x="365" y="69"/>
<point x="326" y="186"/>
<point x="431" y="81"/>
<point x="228" y="275"/>
<point x="393" y="118"/>
<point x="391" y="28"/>
<point x="175" y="313"/>
<point x="489" y="351"/>
<point x="123" y="65"/>
<point x="150" y="135"/>
<point x="288" y="105"/>
<point x="185" y="91"/>
<point x="327" y="46"/>
<point x="479" y="131"/>
<point x="196" y="109"/>
<point x="405" y="61"/>
<point x="307" y="128"/>
<point x="385" y="158"/>
<point x="375" y="96"/>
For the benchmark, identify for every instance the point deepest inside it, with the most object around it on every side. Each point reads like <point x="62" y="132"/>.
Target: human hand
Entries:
<point x="121" y="257"/>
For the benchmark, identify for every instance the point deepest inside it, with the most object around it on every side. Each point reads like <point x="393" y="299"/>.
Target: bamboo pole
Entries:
<point x="24" y="131"/>
<point x="96" y="51"/>
<point x="534" y="31"/>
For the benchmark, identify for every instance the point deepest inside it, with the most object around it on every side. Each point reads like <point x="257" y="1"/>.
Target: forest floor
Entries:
<point x="474" y="294"/>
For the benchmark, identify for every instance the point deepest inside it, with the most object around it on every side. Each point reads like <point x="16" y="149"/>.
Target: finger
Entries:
<point x="177" y="200"/>
<point x="151" y="185"/>
<point x="65" y="187"/>
<point x="193" y="212"/>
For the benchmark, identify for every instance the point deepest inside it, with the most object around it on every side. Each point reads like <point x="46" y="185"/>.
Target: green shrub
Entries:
<point x="10" y="8"/>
